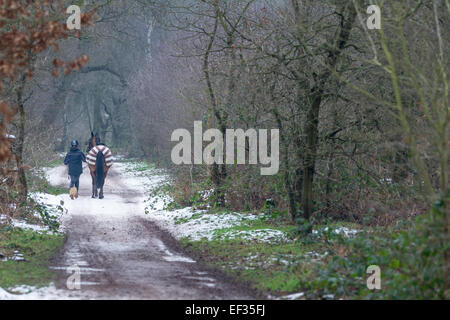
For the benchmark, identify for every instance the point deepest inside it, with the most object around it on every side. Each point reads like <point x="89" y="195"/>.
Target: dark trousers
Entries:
<point x="75" y="181"/>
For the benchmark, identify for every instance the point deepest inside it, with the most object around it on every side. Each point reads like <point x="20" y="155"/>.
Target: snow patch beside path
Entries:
<point x="54" y="205"/>
<point x="32" y="293"/>
<point x="346" y="232"/>
<point x="196" y="225"/>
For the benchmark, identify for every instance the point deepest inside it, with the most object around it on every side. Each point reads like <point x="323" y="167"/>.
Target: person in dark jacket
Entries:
<point x="74" y="160"/>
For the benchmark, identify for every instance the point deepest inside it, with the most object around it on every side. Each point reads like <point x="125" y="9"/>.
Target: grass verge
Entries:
<point x="269" y="268"/>
<point x="37" y="249"/>
<point x="330" y="265"/>
<point x="38" y="183"/>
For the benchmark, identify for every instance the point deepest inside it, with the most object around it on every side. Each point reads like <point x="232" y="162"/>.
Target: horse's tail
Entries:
<point x="100" y="170"/>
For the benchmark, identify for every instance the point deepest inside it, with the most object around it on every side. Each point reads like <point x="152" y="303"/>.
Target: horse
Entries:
<point x="99" y="159"/>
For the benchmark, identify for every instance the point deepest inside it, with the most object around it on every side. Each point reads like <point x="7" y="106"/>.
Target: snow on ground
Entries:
<point x="196" y="225"/>
<point x="342" y="231"/>
<point x="169" y="256"/>
<point x="60" y="205"/>
<point x="183" y="223"/>
<point x="32" y="293"/>
<point x="54" y="205"/>
<point x="134" y="177"/>
<point x="261" y="235"/>
<point x="294" y="296"/>
<point x="24" y="225"/>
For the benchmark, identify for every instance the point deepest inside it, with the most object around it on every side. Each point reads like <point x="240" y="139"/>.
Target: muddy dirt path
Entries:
<point x="123" y="255"/>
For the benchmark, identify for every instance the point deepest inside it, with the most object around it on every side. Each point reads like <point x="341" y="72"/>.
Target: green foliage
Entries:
<point x="49" y="215"/>
<point x="37" y="249"/>
<point x="53" y="163"/>
<point x="162" y="193"/>
<point x="411" y="258"/>
<point x="267" y="267"/>
<point x="138" y="166"/>
<point x="177" y="194"/>
<point x="328" y="264"/>
<point x="37" y="183"/>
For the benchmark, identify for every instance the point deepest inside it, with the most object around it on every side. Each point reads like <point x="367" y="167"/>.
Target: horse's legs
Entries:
<point x="94" y="187"/>
<point x="106" y="174"/>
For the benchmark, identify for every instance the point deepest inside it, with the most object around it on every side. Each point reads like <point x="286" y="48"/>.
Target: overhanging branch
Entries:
<point x="105" y="68"/>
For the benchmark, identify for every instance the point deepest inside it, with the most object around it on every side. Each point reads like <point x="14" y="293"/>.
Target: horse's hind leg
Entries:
<point x="106" y="174"/>
<point x="94" y="188"/>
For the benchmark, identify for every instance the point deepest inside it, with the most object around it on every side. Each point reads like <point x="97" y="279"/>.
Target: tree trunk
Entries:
<point x="52" y="111"/>
<point x="312" y="119"/>
<point x="65" y="138"/>
<point x="19" y="143"/>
